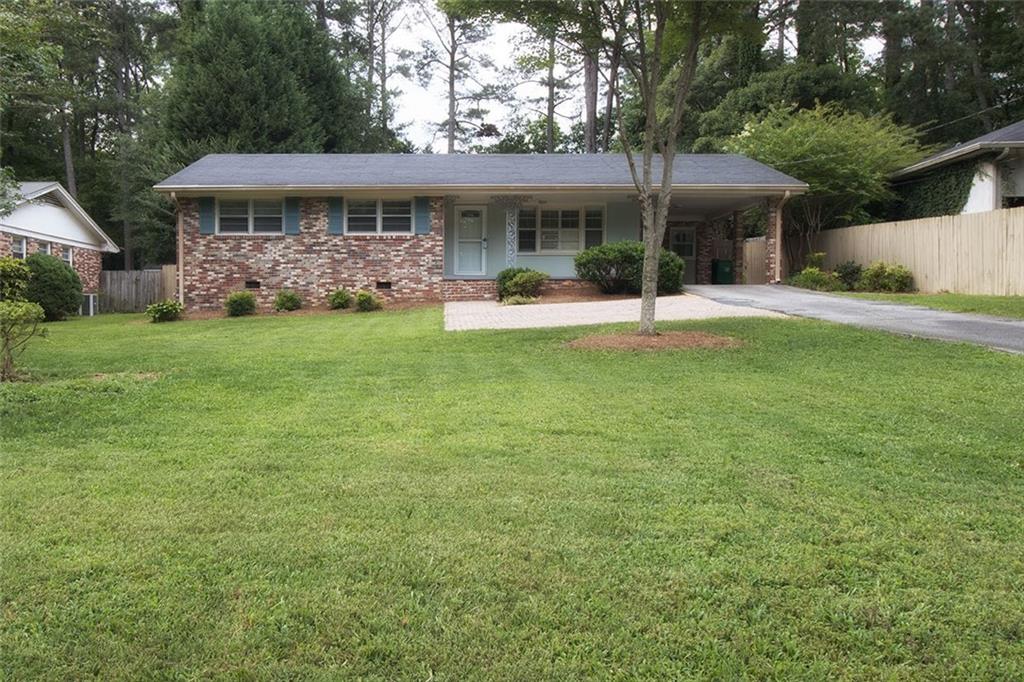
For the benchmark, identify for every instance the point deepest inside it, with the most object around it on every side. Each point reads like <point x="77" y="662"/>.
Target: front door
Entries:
<point x="681" y="241"/>
<point x="470" y="240"/>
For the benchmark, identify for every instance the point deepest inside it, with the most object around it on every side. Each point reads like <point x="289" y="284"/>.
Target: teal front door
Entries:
<point x="470" y="240"/>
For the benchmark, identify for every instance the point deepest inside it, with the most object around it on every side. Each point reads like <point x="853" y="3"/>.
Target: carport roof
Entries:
<point x="502" y="172"/>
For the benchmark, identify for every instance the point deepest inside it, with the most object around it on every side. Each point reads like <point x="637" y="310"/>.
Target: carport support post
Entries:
<point x="737" y="248"/>
<point x="773" y="242"/>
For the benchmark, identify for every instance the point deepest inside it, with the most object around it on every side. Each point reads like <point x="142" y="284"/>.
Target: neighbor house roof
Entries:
<point x="503" y="172"/>
<point x="1004" y="138"/>
<point x="34" y="191"/>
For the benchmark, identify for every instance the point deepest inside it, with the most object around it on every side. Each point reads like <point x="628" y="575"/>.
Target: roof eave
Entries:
<point x="69" y="203"/>
<point x="955" y="155"/>
<point x="798" y="188"/>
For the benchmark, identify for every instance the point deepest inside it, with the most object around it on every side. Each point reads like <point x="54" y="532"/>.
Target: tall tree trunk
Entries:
<point x="550" y="127"/>
<point x="978" y="75"/>
<point x="949" y="76"/>
<point x="613" y="83"/>
<point x="384" y="76"/>
<point x="320" y="7"/>
<point x="69" y="161"/>
<point x="371" y="53"/>
<point x="452" y="52"/>
<point x="780" y="49"/>
<point x="892" y="51"/>
<point x="590" y="102"/>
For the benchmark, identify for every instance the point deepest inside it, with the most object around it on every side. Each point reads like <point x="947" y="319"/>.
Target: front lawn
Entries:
<point x="368" y="496"/>
<point x="1001" y="306"/>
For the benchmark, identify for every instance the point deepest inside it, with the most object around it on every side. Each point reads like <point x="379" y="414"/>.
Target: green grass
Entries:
<point x="368" y="496"/>
<point x="1001" y="306"/>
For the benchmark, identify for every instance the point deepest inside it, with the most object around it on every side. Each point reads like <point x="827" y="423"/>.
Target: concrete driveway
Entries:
<point x="464" y="315"/>
<point x="910" y="320"/>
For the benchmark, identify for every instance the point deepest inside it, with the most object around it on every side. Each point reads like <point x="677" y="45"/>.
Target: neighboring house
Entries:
<point x="997" y="162"/>
<point x="428" y="227"/>
<point x="46" y="218"/>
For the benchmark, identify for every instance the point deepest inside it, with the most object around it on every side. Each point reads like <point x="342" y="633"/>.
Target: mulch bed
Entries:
<point x="662" y="341"/>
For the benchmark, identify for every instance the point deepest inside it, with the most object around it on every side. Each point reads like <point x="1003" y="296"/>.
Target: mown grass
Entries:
<point x="1000" y="306"/>
<point x="368" y="496"/>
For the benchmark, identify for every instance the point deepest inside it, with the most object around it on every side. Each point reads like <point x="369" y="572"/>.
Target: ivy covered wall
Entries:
<point x="942" y="192"/>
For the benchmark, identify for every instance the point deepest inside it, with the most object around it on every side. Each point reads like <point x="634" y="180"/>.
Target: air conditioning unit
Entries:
<point x="90" y="305"/>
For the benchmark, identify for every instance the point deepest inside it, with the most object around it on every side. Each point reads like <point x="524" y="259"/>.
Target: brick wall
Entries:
<point x="705" y="243"/>
<point x="86" y="262"/>
<point x="311" y="263"/>
<point x="469" y="290"/>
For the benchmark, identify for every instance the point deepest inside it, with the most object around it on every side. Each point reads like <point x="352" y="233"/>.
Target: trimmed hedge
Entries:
<point x="54" y="285"/>
<point x="618" y="268"/>
<point x="168" y="310"/>
<point x="286" y="301"/>
<point x="240" y="303"/>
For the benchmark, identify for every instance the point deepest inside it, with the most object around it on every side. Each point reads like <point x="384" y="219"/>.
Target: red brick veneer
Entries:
<point x="311" y="263"/>
<point x="86" y="262"/>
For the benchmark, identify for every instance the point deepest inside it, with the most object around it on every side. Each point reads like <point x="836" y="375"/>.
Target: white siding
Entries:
<point x="46" y="222"/>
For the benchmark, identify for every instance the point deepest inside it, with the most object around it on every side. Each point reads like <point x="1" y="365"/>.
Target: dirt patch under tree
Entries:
<point x="663" y="341"/>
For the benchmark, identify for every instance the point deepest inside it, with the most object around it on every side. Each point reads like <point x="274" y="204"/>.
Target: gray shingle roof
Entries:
<point x="1010" y="136"/>
<point x="510" y="171"/>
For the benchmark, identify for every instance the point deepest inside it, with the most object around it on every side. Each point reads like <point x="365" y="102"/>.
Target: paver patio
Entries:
<point x="466" y="315"/>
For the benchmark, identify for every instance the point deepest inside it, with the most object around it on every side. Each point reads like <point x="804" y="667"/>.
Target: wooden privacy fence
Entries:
<point x="975" y="253"/>
<point x="754" y="271"/>
<point x="130" y="291"/>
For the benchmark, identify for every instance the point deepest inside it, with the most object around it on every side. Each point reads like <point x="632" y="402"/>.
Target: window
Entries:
<point x="250" y="216"/>
<point x="47" y="248"/>
<point x="18" y="248"/>
<point x="65" y="255"/>
<point x="560" y="230"/>
<point x="378" y="216"/>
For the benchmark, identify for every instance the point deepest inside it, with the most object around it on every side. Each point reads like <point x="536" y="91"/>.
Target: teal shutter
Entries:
<point x="421" y="213"/>
<point x="334" y="215"/>
<point x="207" y="215"/>
<point x="291" y="215"/>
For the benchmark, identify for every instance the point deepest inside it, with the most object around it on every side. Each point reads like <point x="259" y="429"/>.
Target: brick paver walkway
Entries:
<point x="464" y="315"/>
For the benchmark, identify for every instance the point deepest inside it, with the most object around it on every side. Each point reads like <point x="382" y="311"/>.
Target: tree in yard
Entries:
<point x="845" y="157"/>
<point x="453" y="50"/>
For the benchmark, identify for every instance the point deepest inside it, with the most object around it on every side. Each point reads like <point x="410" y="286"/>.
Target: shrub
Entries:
<point x="815" y="259"/>
<point x="287" y="300"/>
<point x="618" y="267"/>
<point x="54" y="286"/>
<point x="240" y="303"/>
<point x="339" y="299"/>
<point x="881" y="276"/>
<point x="165" y="311"/>
<point x="516" y="299"/>
<point x="506" y="276"/>
<point x="19" y="322"/>
<point x="367" y="302"/>
<point x="817" y="279"/>
<point x="525" y="284"/>
<point x="14" y="277"/>
<point x="849" y="273"/>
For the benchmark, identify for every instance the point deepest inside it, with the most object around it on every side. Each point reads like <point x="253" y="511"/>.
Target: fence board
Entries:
<point x="975" y="253"/>
<point x="130" y="291"/>
<point x="753" y="262"/>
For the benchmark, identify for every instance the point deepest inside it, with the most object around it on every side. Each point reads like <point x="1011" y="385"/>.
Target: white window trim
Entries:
<point x="583" y="228"/>
<point x="24" y="248"/>
<point x="70" y="252"/>
<point x="48" y="249"/>
<point x="250" y="232"/>
<point x="380" y="219"/>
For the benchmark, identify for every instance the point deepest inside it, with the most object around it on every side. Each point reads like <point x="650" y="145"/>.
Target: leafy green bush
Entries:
<point x="339" y="299"/>
<point x="506" y="276"/>
<point x="240" y="303"/>
<point x="165" y="311"/>
<point x="14" y="277"/>
<point x="889" y="277"/>
<point x="817" y="279"/>
<point x="815" y="259"/>
<point x="367" y="302"/>
<point x="19" y="322"/>
<point x="525" y="284"/>
<point x="618" y="267"/>
<point x="54" y="286"/>
<point x="849" y="273"/>
<point x="287" y="300"/>
<point x="516" y="299"/>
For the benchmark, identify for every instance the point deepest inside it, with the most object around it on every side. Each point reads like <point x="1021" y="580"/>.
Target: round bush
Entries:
<point x="287" y="300"/>
<point x="506" y="276"/>
<point x="525" y="284"/>
<point x="881" y="276"/>
<point x="339" y="299"/>
<point x="817" y="279"/>
<point x="618" y="268"/>
<point x="849" y="272"/>
<point x="165" y="311"/>
<point x="240" y="303"/>
<point x="367" y="302"/>
<point x="54" y="286"/>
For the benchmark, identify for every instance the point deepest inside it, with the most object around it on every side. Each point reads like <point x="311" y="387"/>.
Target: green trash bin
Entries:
<point x="721" y="272"/>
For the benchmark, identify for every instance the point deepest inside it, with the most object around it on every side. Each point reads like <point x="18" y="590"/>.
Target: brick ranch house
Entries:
<point x="46" y="218"/>
<point x="440" y="227"/>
